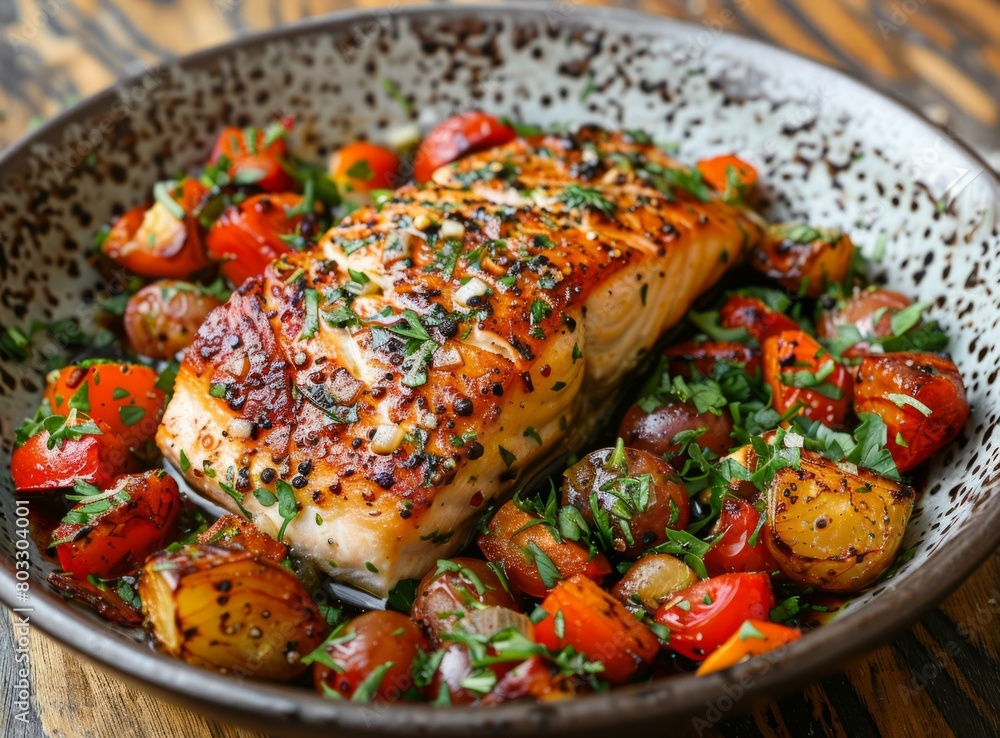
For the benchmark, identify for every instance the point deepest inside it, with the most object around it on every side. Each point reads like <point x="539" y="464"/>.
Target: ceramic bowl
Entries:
<point x="829" y="150"/>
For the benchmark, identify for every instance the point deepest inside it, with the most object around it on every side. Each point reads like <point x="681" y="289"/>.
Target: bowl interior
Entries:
<point x="829" y="151"/>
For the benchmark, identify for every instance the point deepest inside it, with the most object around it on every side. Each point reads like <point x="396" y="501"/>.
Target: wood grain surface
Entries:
<point x="942" y="678"/>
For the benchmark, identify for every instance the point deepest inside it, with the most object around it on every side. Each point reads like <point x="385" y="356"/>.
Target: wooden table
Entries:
<point x="941" y="678"/>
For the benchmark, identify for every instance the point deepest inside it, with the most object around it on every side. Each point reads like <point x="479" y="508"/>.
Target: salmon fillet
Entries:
<point x="385" y="385"/>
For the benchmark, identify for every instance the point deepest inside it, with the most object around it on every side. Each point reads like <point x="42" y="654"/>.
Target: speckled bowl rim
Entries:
<point x="296" y="710"/>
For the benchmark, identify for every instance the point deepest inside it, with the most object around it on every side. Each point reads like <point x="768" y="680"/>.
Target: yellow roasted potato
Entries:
<point x="835" y="527"/>
<point x="651" y="580"/>
<point x="223" y="609"/>
<point x="803" y="259"/>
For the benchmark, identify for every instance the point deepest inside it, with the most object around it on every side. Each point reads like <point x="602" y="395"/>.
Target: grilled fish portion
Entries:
<point x="364" y="400"/>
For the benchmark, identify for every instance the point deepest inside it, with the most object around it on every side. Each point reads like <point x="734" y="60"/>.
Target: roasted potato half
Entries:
<point x="833" y="526"/>
<point x="223" y="609"/>
<point x="651" y="580"/>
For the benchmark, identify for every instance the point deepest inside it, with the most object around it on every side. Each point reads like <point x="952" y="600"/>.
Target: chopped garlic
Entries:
<point x="387" y="438"/>
<point x="452" y="229"/>
<point x="475" y="287"/>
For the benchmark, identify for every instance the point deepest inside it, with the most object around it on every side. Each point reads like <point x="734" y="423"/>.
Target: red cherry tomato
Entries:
<point x="703" y="616"/>
<point x="374" y="640"/>
<point x="247" y="237"/>
<point x="509" y="540"/>
<point x="152" y="241"/>
<point x="759" y="320"/>
<point x="363" y="167"/>
<point x="97" y="459"/>
<point x="455" y="137"/>
<point x="123" y="396"/>
<point x="137" y="518"/>
<point x="733" y="552"/>
<point x="799" y="370"/>
<point x="920" y="397"/>
<point x="702" y="356"/>
<point x="250" y="161"/>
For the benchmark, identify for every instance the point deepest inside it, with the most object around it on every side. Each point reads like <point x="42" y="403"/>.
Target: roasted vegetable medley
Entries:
<point x="766" y="470"/>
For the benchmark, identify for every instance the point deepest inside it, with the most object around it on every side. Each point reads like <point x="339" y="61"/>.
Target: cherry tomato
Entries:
<point x="449" y="593"/>
<point x="249" y="236"/>
<point x="728" y="174"/>
<point x="507" y="542"/>
<point x="454" y="669"/>
<point x="123" y="396"/>
<point x="654" y="431"/>
<point x="455" y="137"/>
<point x="737" y="523"/>
<point x="154" y="241"/>
<point x="702" y="617"/>
<point x="703" y="356"/>
<point x="870" y="311"/>
<point x="802" y="259"/>
<point x="531" y="678"/>
<point x="110" y="535"/>
<point x="162" y="318"/>
<point x="378" y="640"/>
<point x="641" y="493"/>
<point x="250" y="161"/>
<point x="45" y="465"/>
<point x="754" y="638"/>
<point x="920" y="397"/>
<point x="598" y="625"/>
<point x="799" y="370"/>
<point x="759" y="320"/>
<point x="363" y="167"/>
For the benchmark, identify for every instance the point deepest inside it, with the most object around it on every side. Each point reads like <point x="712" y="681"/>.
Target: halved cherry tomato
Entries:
<point x="153" y="241"/>
<point x="455" y="137"/>
<point x="162" y="318"/>
<point x="230" y="531"/>
<point x="759" y="320"/>
<point x="247" y="237"/>
<point x="123" y="396"/>
<point x="728" y="173"/>
<point x="754" y="638"/>
<point x="510" y="543"/>
<point x="870" y="311"/>
<point x="44" y="465"/>
<point x="702" y="617"/>
<point x="111" y="534"/>
<point x="581" y="614"/>
<point x="702" y="356"/>
<point x="920" y="397"/>
<point x="733" y="552"/>
<point x="799" y="370"/>
<point x="250" y="161"/>
<point x="860" y="310"/>
<point x="363" y="167"/>
<point x="377" y="639"/>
